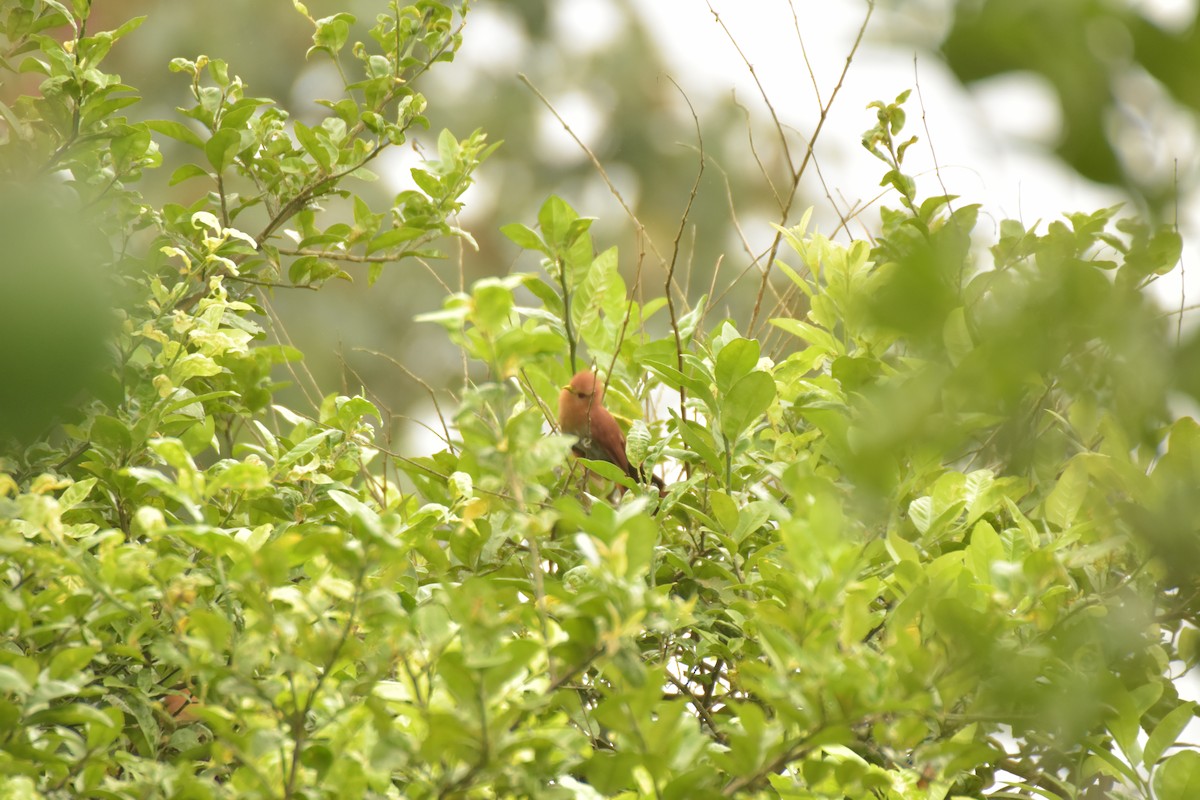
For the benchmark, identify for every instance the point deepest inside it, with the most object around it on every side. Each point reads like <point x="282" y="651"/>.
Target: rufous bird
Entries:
<point x="581" y="413"/>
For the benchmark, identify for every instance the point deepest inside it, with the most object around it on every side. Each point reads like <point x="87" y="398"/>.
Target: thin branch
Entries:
<point x="762" y="91"/>
<point x="221" y="194"/>
<point x="566" y="298"/>
<point x="762" y="168"/>
<point x="937" y="170"/>
<point x="272" y="284"/>
<point x="690" y="266"/>
<point x="313" y="190"/>
<point x="334" y="255"/>
<point x="712" y="287"/>
<point x="745" y="782"/>
<point x="1180" y="311"/>
<point x="523" y="377"/>
<point x="812" y="75"/>
<point x="284" y="338"/>
<point x="670" y="278"/>
<point x="417" y="379"/>
<point x="701" y="708"/>
<point x="1182" y="269"/>
<point x="638" y="225"/>
<point x="799" y="173"/>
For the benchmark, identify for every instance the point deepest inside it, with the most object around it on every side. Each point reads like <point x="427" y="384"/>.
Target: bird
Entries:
<point x="581" y="413"/>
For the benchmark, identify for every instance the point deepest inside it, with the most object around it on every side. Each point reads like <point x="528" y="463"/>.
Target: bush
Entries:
<point x="931" y="534"/>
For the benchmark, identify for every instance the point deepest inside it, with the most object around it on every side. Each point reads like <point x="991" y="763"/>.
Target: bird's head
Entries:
<point x="586" y="387"/>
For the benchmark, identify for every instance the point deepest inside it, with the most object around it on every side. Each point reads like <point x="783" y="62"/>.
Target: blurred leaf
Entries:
<point x="1178" y="776"/>
<point x="1066" y="498"/>
<point x="1166" y="733"/>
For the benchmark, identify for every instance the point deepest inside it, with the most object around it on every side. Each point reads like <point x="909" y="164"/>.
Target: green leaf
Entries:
<point x="735" y="361"/>
<point x="391" y="238"/>
<point x="524" y="237"/>
<point x="193" y="365"/>
<point x="70" y="714"/>
<point x="1166" y="733"/>
<point x="76" y="493"/>
<point x="810" y="333"/>
<point x="902" y="550"/>
<point x="236" y="116"/>
<point x="492" y="304"/>
<point x="957" y="336"/>
<point x="130" y="148"/>
<point x="1131" y="706"/>
<point x="199" y="399"/>
<point x="176" y="130"/>
<point x="745" y="402"/>
<point x="332" y="32"/>
<point x="69" y="661"/>
<point x="637" y="442"/>
<point x="185" y="172"/>
<point x="239" y="477"/>
<point x="111" y="433"/>
<point x="1066" y="498"/>
<point x="13" y="682"/>
<point x="985" y="549"/>
<point x="1178" y="777"/>
<point x="555" y="218"/>
<point x="1189" y="647"/>
<point x="427" y="182"/>
<point x="920" y="511"/>
<point x="608" y="470"/>
<point x="222" y="148"/>
<point x="724" y="509"/>
<point x="312" y="145"/>
<point x="700" y="440"/>
<point x="752" y="517"/>
<point x="306" y="448"/>
<point x="449" y="152"/>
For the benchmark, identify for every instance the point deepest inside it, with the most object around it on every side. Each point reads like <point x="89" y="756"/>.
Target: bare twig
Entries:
<point x="284" y="338"/>
<point x="419" y="380"/>
<point x="638" y="225"/>
<point x="675" y="253"/>
<point x="272" y="284"/>
<point x="566" y="298"/>
<point x="762" y="91"/>
<point x="937" y="170"/>
<point x="798" y="173"/>
<point x="588" y="151"/>
<point x="313" y="190"/>
<point x="812" y="75"/>
<point x="546" y="412"/>
<point x="334" y="255"/>
<point x="1182" y="270"/>
<point x="762" y="168"/>
<point x="698" y="704"/>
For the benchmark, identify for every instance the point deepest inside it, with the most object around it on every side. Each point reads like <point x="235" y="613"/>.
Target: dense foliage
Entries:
<point x="931" y="534"/>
